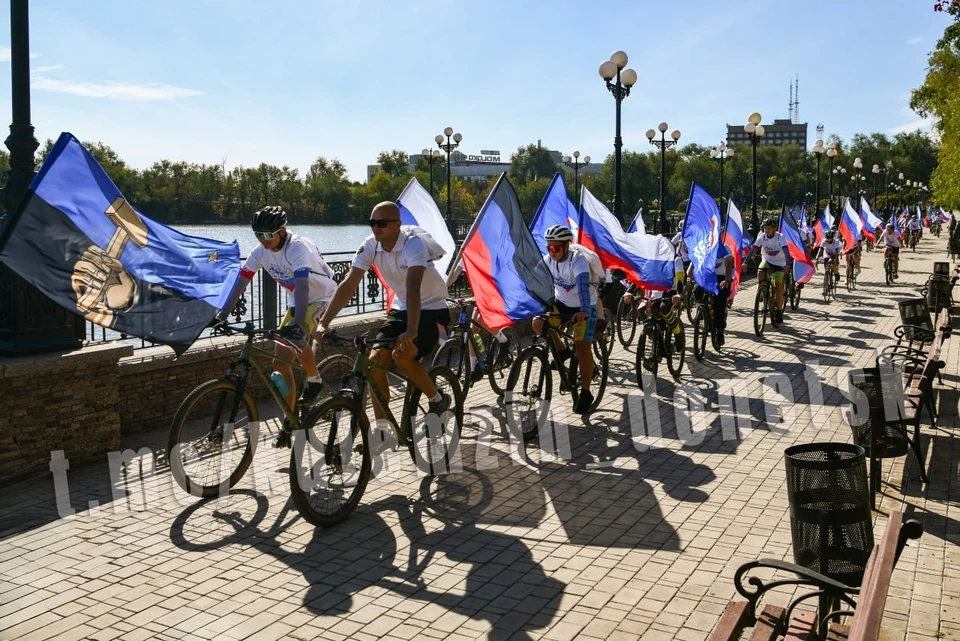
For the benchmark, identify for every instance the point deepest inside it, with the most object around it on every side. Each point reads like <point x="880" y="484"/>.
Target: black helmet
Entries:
<point x="830" y="233"/>
<point x="269" y="219"/>
<point x="769" y="222"/>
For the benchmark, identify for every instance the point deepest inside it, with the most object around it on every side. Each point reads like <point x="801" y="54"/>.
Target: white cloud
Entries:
<point x="922" y="123"/>
<point x="108" y="89"/>
<point x="914" y="41"/>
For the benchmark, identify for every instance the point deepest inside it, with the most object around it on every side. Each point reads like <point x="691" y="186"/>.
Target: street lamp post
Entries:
<point x="831" y="154"/>
<point x="721" y="152"/>
<point x="876" y="172"/>
<point x="755" y="130"/>
<point x="857" y="165"/>
<point x="663" y="144"/>
<point x="900" y="190"/>
<point x="431" y="157"/>
<point x="625" y="78"/>
<point x="818" y="151"/>
<point x="448" y="147"/>
<point x="576" y="164"/>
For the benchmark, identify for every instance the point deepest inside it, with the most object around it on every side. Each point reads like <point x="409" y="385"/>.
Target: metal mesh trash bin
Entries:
<point x="830" y="516"/>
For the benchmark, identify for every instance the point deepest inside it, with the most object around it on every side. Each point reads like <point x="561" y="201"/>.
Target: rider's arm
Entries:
<point x="414" y="278"/>
<point x="583" y="290"/>
<point x="301" y="296"/>
<point x="345" y="291"/>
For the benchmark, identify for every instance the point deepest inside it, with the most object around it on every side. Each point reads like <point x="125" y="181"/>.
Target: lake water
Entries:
<point x="328" y="238"/>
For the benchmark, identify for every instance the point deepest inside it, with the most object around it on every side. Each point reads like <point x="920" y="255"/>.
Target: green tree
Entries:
<point x="326" y="191"/>
<point x="530" y="163"/>
<point x="395" y="164"/>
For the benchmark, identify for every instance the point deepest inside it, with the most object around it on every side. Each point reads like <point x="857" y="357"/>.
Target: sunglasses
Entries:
<point x="266" y="235"/>
<point x="556" y="247"/>
<point x="382" y="222"/>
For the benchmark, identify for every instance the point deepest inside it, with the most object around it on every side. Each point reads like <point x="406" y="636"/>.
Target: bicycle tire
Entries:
<point x="674" y="355"/>
<point x="688" y="300"/>
<point x="648" y="353"/>
<point x="760" y="310"/>
<point x="195" y="442"/>
<point x="433" y="444"/>
<point x="700" y="331"/>
<point x="598" y="382"/>
<point x="455" y="356"/>
<point x="332" y="369"/>
<point x="626" y="321"/>
<point x="888" y="270"/>
<point x="321" y="492"/>
<point x="609" y="333"/>
<point x="500" y="360"/>
<point x="531" y="389"/>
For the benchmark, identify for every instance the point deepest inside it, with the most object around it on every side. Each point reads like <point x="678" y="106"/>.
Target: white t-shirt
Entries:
<point x="830" y="247"/>
<point x="564" y="274"/>
<point x="890" y="238"/>
<point x="677" y="241"/>
<point x="597" y="272"/>
<point x="414" y="248"/>
<point x="772" y="249"/>
<point x="299" y="257"/>
<point x="913" y="224"/>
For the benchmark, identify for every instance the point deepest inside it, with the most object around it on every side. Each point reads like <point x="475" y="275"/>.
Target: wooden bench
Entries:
<point x="865" y="603"/>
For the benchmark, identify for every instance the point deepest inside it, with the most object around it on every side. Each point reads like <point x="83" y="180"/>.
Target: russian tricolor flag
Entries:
<point x="648" y="261"/>
<point x="803" y="268"/>
<point x="851" y="227"/>
<point x="637" y="224"/>
<point x="870" y="220"/>
<point x="733" y="238"/>
<point x="944" y="216"/>
<point x="824" y="224"/>
<point x="509" y="279"/>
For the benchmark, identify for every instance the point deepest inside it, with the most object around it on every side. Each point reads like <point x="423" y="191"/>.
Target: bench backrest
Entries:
<point x="868" y="614"/>
<point x="915" y="312"/>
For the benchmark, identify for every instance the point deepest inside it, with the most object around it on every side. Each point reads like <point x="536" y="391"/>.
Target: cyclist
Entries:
<point x="913" y="228"/>
<point x="297" y="265"/>
<point x="776" y="257"/>
<point x="891" y="243"/>
<point x="576" y="296"/>
<point x="405" y="260"/>
<point x="724" y="270"/>
<point x="830" y="248"/>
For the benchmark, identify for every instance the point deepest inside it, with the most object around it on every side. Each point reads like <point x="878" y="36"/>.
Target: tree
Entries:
<point x="395" y="164"/>
<point x="531" y="163"/>
<point x="326" y="191"/>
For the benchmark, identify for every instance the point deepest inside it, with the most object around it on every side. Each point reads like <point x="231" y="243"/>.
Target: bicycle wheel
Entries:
<point x="712" y="327"/>
<point x="827" y="278"/>
<point x="531" y="388"/>
<point x="648" y="352"/>
<point x="888" y="270"/>
<point x="760" y="310"/>
<point x="626" y="321"/>
<point x="598" y="382"/>
<point x="850" y="276"/>
<point x="434" y="439"/>
<point x="332" y="369"/>
<point x="210" y="442"/>
<point x="688" y="300"/>
<point x="609" y="333"/>
<point x="700" y="331"/>
<point x="455" y="356"/>
<point x="674" y="346"/>
<point x="500" y="360"/>
<point x="330" y="461"/>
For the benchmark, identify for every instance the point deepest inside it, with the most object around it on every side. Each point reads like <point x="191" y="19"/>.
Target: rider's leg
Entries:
<point x="380" y="355"/>
<point x="284" y="368"/>
<point x="778" y="286"/>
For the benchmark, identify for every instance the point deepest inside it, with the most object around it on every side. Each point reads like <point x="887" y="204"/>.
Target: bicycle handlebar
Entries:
<point x="360" y="342"/>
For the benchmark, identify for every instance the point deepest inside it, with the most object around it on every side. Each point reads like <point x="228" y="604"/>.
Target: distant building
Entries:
<point x="781" y="132"/>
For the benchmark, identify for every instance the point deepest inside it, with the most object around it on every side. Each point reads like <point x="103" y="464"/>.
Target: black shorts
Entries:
<point x="893" y="250"/>
<point x="428" y="334"/>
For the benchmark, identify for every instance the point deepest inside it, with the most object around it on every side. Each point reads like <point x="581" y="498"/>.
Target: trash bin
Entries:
<point x="938" y="293"/>
<point x="830" y="517"/>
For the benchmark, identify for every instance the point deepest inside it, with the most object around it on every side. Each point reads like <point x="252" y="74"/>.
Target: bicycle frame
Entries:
<point x="249" y="358"/>
<point x="363" y="368"/>
<point x="546" y="342"/>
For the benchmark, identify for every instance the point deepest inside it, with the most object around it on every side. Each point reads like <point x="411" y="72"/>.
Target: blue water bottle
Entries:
<point x="280" y="383"/>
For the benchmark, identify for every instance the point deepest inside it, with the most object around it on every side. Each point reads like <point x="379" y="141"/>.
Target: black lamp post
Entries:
<point x="663" y="144"/>
<point x="876" y="172"/>
<point x="818" y="151"/>
<point x="576" y="164"/>
<point x="448" y="147"/>
<point x="29" y="321"/>
<point x="857" y="165"/>
<point x="721" y="152"/>
<point x="840" y="172"/>
<point x="900" y="190"/>
<point x="625" y="78"/>
<point x="755" y="130"/>
<point x="831" y="154"/>
<point x="431" y="156"/>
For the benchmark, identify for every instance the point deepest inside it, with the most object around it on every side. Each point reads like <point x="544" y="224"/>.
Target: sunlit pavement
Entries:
<point x="633" y="531"/>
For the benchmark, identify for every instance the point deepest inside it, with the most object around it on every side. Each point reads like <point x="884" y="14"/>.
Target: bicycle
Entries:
<point x="764" y="304"/>
<point x="703" y="325"/>
<point x="628" y="315"/>
<point x="497" y="358"/>
<point x="913" y="241"/>
<point x="656" y="341"/>
<point x="329" y="469"/>
<point x="791" y="290"/>
<point x="851" y="276"/>
<point x="889" y="267"/>
<point x="686" y="300"/>
<point x="531" y="379"/>
<point x="215" y="430"/>
<point x="830" y="279"/>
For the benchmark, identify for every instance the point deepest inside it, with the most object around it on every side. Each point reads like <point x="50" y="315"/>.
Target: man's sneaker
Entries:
<point x="678" y="342"/>
<point x="441" y="406"/>
<point x="719" y="338"/>
<point x="310" y="392"/>
<point x="779" y="314"/>
<point x="283" y="437"/>
<point x="896" y="276"/>
<point x="478" y="373"/>
<point x="584" y="402"/>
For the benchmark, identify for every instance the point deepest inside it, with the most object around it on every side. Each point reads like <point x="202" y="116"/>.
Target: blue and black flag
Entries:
<point x="76" y="239"/>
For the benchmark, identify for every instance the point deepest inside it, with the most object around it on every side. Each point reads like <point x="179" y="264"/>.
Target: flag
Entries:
<point x="76" y="239"/>
<point x="646" y="260"/>
<point x="919" y="214"/>
<point x="870" y="220"/>
<point x="944" y="216"/>
<point x="637" y="224"/>
<point x="418" y="208"/>
<point x="803" y="268"/>
<point x="555" y="209"/>
<point x="509" y="279"/>
<point x="701" y="236"/>
<point x="824" y="224"/>
<point x="850" y="227"/>
<point x="896" y="226"/>
<point x="802" y="222"/>
<point x="733" y="238"/>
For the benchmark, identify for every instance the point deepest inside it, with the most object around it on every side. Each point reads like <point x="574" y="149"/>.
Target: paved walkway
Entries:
<point x="634" y="534"/>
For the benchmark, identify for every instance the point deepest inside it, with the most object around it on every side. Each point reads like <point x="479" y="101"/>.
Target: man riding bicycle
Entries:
<point x="891" y="243"/>
<point x="405" y="260"/>
<point x="830" y="250"/>
<point x="576" y="296"/>
<point x="913" y="228"/>
<point x="297" y="266"/>
<point x="776" y="258"/>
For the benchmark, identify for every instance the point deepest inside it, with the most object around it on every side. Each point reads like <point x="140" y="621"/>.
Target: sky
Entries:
<point x="244" y="82"/>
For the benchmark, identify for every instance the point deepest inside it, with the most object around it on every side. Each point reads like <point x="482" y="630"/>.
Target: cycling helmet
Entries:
<point x="269" y="219"/>
<point x="890" y="226"/>
<point x="680" y="226"/>
<point x="831" y="233"/>
<point x="558" y="233"/>
<point x="769" y="222"/>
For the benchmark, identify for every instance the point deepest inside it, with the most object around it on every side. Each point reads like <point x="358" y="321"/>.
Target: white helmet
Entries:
<point x="558" y="233"/>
